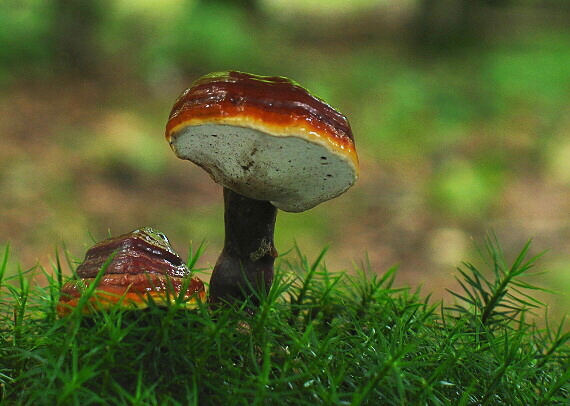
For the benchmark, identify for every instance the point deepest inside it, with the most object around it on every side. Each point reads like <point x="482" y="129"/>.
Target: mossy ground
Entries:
<point x="319" y="337"/>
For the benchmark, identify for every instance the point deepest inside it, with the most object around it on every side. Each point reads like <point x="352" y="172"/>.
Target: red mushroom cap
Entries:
<point x="144" y="268"/>
<point x="266" y="138"/>
<point x="131" y="292"/>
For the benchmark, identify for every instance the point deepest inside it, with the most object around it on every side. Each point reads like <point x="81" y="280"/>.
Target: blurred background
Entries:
<point x="460" y="111"/>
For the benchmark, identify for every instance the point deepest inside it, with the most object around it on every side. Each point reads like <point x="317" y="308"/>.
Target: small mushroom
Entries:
<point x="144" y="268"/>
<point x="271" y="144"/>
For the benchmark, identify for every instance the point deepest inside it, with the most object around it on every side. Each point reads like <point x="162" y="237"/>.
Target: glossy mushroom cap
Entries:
<point x="143" y="269"/>
<point x="266" y="138"/>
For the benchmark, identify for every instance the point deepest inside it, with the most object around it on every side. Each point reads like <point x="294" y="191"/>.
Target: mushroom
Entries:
<point x="144" y="268"/>
<point x="271" y="144"/>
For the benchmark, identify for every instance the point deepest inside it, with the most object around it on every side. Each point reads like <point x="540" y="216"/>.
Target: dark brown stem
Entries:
<point x="245" y="266"/>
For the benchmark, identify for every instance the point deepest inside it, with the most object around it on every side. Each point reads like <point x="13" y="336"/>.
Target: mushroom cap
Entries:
<point x="144" y="268"/>
<point x="266" y="138"/>
<point x="144" y="249"/>
<point x="131" y="292"/>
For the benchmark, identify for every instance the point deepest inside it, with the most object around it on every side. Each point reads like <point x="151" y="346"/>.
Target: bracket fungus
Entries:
<point x="143" y="268"/>
<point x="272" y="145"/>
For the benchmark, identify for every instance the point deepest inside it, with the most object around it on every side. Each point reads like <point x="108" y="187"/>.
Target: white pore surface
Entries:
<point x="292" y="173"/>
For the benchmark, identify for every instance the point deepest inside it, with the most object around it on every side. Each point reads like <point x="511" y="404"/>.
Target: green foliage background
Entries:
<point x="460" y="110"/>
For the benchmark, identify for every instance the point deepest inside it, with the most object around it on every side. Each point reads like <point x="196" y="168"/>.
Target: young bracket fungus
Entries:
<point x="144" y="268"/>
<point x="270" y="144"/>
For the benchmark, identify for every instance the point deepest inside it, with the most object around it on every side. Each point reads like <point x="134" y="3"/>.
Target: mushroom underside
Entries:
<point x="294" y="174"/>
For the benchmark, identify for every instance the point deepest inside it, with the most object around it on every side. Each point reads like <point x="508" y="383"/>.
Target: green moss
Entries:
<point x="319" y="337"/>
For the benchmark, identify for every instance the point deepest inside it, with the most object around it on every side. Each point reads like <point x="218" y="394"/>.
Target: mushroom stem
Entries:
<point x="245" y="266"/>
